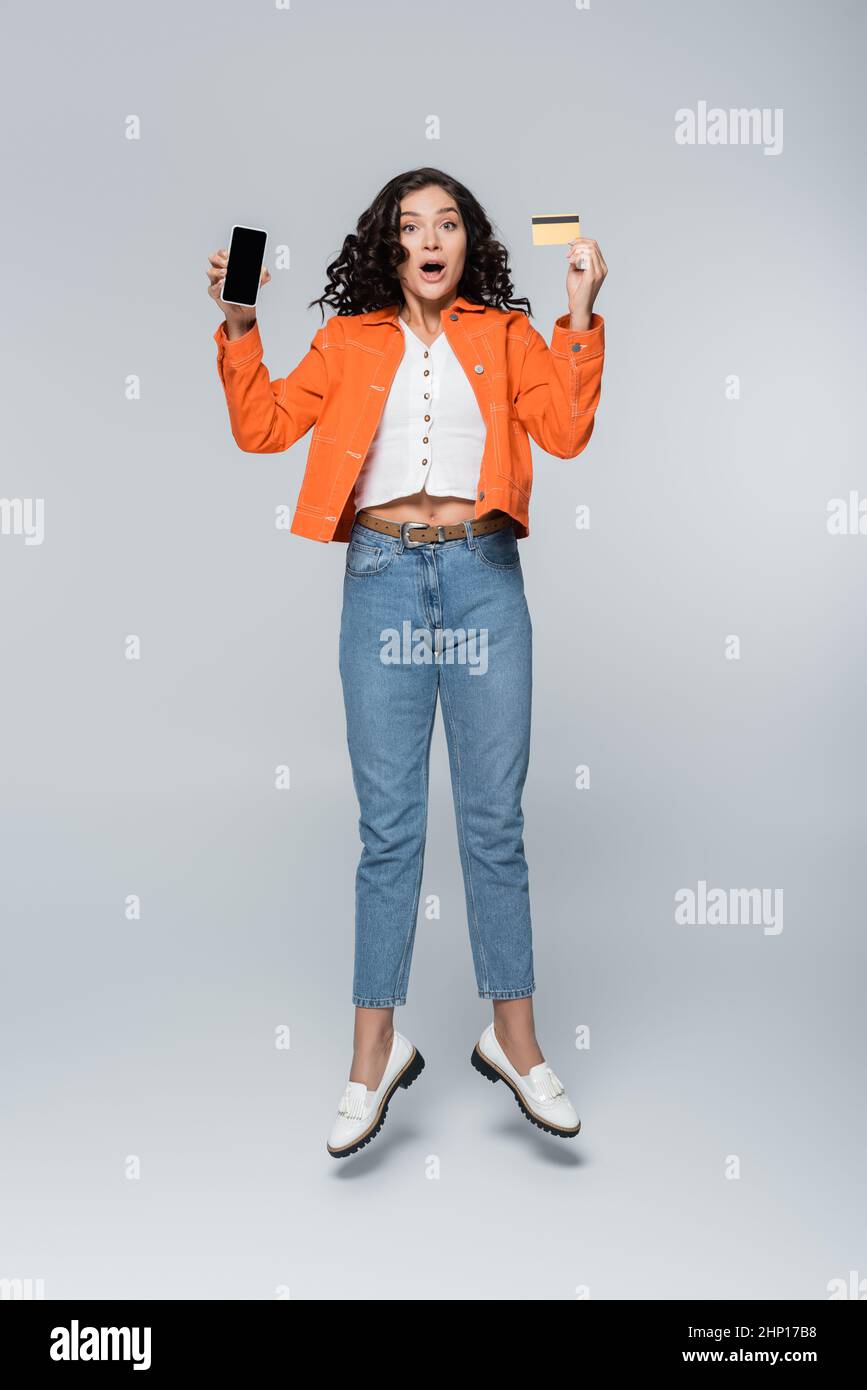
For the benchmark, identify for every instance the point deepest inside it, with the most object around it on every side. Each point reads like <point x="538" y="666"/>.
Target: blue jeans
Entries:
<point x="418" y="621"/>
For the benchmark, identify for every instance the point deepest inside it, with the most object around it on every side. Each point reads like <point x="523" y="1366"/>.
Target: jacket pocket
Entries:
<point x="318" y="474"/>
<point x="521" y="456"/>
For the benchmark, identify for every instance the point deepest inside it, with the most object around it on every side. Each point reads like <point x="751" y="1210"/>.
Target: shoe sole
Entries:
<point x="492" y="1072"/>
<point x="411" y="1069"/>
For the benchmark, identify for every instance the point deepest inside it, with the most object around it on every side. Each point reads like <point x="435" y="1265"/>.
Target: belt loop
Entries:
<point x="471" y="540"/>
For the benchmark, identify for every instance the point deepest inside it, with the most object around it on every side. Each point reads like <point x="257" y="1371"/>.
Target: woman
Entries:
<point x="421" y="390"/>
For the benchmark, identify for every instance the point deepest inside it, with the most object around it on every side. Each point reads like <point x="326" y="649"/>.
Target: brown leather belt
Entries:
<point x="428" y="535"/>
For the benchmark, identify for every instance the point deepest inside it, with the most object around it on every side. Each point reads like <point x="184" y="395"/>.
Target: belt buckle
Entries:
<point x="412" y="526"/>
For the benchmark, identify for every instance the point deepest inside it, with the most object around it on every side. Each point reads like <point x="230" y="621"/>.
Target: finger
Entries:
<point x="592" y="260"/>
<point x="588" y="265"/>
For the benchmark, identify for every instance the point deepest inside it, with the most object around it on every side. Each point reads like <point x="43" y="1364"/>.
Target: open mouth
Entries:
<point x="432" y="270"/>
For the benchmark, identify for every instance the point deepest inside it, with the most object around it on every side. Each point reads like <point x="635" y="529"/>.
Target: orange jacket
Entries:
<point x="340" y="388"/>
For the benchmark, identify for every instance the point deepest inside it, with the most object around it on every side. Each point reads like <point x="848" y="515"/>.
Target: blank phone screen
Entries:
<point x="246" y="253"/>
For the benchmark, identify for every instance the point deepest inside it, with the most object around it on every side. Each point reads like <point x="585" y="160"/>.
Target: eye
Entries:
<point x="408" y="227"/>
<point x="450" y="224"/>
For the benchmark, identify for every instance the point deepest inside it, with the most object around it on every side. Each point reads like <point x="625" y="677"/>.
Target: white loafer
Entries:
<point x="361" y="1113"/>
<point x="540" y="1094"/>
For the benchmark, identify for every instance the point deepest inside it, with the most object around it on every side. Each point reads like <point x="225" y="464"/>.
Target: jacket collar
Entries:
<point x="389" y="313"/>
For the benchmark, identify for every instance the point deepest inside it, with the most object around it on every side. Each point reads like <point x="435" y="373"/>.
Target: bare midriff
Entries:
<point x="422" y="506"/>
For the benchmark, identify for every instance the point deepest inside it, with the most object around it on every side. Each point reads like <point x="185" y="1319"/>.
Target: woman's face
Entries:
<point x="431" y="229"/>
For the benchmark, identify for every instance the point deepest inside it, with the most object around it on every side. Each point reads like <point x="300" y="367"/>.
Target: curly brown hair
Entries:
<point x="363" y="276"/>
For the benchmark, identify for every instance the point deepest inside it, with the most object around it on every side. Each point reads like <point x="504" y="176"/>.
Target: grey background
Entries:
<point x="156" y="1038"/>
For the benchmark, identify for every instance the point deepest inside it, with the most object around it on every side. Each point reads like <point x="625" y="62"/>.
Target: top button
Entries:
<point x="576" y="347"/>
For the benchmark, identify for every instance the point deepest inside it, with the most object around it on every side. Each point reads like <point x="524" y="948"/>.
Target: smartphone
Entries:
<point x="244" y="268"/>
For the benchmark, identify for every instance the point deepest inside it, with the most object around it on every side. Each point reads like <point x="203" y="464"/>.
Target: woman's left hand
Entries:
<point x="582" y="286"/>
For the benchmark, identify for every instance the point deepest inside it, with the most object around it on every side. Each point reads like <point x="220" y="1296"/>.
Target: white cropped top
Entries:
<point x="431" y="434"/>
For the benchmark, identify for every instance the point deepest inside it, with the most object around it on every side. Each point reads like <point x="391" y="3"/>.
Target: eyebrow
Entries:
<point x="409" y="213"/>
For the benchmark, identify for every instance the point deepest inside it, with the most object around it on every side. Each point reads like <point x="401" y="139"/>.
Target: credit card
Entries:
<point x="555" y="231"/>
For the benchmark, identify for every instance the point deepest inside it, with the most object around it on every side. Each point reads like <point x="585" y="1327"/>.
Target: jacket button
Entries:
<point x="576" y="347"/>
<point x="452" y="316"/>
<point x="481" y="497"/>
<point x="478" y="367"/>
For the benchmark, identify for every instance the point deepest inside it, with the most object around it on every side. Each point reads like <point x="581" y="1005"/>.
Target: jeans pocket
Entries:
<point x="363" y="560"/>
<point x="499" y="549"/>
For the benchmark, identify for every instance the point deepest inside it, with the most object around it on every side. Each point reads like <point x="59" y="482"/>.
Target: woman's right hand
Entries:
<point x="238" y="318"/>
